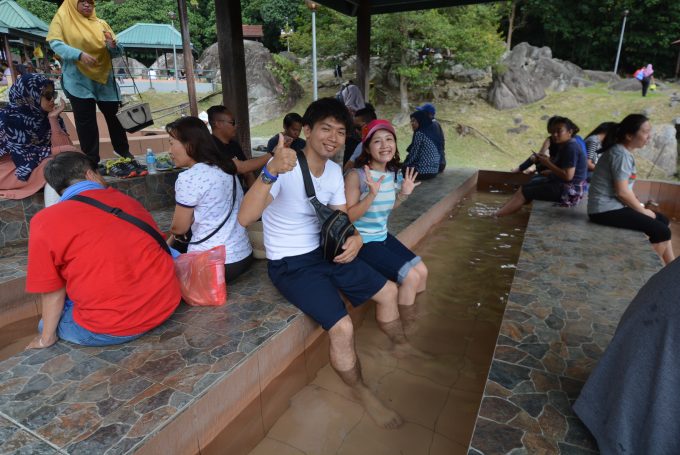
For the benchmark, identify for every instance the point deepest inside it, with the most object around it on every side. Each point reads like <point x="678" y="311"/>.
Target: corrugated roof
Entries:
<point x="13" y="16"/>
<point x="252" y="31"/>
<point x="154" y="36"/>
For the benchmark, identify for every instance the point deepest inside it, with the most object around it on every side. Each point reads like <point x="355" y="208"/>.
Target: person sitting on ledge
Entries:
<point x="205" y="198"/>
<point x="223" y="126"/>
<point x="425" y="151"/>
<point x="101" y="279"/>
<point x="612" y="202"/>
<point x="373" y="189"/>
<point x="292" y="126"/>
<point x="31" y="132"/>
<point x="566" y="173"/>
<point x="296" y="265"/>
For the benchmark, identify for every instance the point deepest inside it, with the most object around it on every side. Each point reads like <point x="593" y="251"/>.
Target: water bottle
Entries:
<point x="150" y="161"/>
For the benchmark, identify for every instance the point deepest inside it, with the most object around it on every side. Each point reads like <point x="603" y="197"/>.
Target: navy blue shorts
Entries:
<point x="312" y="284"/>
<point x="390" y="258"/>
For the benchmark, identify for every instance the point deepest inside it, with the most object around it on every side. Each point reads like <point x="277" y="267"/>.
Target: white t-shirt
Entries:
<point x="208" y="190"/>
<point x="290" y="224"/>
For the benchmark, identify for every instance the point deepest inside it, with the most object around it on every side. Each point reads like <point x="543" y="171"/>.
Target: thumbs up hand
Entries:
<point x="284" y="159"/>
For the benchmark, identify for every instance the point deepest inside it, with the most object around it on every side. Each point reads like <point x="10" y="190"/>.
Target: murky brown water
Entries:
<point x="471" y="260"/>
<point x="15" y="336"/>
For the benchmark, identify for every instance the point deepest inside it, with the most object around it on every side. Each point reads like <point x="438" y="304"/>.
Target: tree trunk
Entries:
<point x="403" y="87"/>
<point x="511" y="25"/>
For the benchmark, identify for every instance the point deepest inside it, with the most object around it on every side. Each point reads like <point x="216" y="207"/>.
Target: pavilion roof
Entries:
<point x="17" y="21"/>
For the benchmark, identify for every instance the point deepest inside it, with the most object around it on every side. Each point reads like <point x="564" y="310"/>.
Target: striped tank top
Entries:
<point x="373" y="224"/>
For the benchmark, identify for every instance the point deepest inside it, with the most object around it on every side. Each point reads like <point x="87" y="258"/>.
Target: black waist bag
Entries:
<point x="336" y="227"/>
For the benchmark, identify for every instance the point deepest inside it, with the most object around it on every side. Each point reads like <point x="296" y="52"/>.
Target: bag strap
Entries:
<point x="306" y="175"/>
<point x="233" y="203"/>
<point x="127" y="69"/>
<point x="143" y="225"/>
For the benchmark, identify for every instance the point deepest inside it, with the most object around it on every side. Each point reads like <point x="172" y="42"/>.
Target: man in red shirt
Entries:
<point x="101" y="279"/>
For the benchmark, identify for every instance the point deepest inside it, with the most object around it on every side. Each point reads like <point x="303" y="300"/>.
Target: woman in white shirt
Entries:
<point x="207" y="195"/>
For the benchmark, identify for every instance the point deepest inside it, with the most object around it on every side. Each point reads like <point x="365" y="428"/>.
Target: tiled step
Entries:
<point x="155" y="192"/>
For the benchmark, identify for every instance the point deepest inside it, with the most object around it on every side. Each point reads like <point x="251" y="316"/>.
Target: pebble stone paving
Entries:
<point x="573" y="281"/>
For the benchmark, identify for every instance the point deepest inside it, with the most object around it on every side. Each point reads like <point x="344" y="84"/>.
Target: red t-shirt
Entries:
<point x="119" y="278"/>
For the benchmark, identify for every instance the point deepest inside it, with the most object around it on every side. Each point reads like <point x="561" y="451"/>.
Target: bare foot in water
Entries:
<point x="383" y="416"/>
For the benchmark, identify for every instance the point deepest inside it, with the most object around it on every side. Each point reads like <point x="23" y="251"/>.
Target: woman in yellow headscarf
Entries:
<point x="86" y="45"/>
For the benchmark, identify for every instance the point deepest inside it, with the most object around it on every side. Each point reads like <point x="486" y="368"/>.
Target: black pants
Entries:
<point x="85" y="114"/>
<point x="235" y="269"/>
<point x="645" y="85"/>
<point x="657" y="229"/>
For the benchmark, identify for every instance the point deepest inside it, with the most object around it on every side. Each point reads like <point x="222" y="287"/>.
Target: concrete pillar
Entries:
<point x="363" y="46"/>
<point x="233" y="66"/>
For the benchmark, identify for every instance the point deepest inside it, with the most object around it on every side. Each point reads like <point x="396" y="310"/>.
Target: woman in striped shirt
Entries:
<point x="373" y="189"/>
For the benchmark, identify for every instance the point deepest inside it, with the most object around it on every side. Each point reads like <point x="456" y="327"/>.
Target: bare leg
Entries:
<point x="387" y="317"/>
<point x="423" y="272"/>
<point x="665" y="251"/>
<point x="514" y="204"/>
<point x="346" y="363"/>
<point x="408" y="288"/>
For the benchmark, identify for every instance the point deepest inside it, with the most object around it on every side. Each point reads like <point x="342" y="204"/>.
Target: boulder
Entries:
<point x="513" y="88"/>
<point x="626" y="85"/>
<point x="160" y="64"/>
<point x="267" y="97"/>
<point x="602" y="76"/>
<point x="137" y="68"/>
<point x="534" y="71"/>
<point x="662" y="149"/>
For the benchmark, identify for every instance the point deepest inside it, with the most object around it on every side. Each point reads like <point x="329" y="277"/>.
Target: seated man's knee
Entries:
<point x="343" y="329"/>
<point x="387" y="293"/>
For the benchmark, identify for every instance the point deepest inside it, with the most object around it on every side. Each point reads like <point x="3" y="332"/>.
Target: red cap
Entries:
<point x="375" y="125"/>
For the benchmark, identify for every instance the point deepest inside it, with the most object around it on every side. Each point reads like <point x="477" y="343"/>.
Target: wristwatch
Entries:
<point x="266" y="177"/>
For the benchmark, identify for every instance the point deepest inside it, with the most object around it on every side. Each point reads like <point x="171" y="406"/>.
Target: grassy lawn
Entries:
<point x="587" y="107"/>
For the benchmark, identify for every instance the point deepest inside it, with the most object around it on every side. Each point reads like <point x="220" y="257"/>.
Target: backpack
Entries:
<point x="639" y="74"/>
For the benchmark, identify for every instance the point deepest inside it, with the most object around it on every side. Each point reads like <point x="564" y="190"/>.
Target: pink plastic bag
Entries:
<point x="201" y="277"/>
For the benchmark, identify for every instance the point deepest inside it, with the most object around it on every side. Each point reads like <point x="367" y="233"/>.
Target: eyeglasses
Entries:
<point x="49" y="96"/>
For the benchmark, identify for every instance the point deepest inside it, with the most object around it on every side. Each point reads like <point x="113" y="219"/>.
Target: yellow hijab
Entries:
<point x="86" y="34"/>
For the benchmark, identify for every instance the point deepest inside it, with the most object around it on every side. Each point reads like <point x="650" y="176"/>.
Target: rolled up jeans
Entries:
<point x="69" y="330"/>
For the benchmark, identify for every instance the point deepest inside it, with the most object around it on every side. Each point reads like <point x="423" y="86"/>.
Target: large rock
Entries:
<point x="626" y="85"/>
<point x="513" y="88"/>
<point x="527" y="72"/>
<point x="267" y="97"/>
<point x="137" y="68"/>
<point x="165" y="63"/>
<point x="662" y="149"/>
<point x="602" y="76"/>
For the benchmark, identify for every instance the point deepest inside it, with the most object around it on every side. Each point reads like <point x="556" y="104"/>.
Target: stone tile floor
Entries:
<point x="573" y="282"/>
<point x="71" y="399"/>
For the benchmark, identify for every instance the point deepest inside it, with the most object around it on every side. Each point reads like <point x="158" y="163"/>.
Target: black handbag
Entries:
<point x="336" y="227"/>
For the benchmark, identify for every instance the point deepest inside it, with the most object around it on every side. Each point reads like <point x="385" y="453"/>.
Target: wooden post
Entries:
<point x="188" y="57"/>
<point x="233" y="66"/>
<point x="677" y="65"/>
<point x="8" y="54"/>
<point x="363" y="47"/>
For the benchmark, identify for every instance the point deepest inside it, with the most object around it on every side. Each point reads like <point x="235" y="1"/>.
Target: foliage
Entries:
<point x="284" y="70"/>
<point x="335" y="34"/>
<point x="587" y="32"/>
<point x="274" y="15"/>
<point x="44" y="9"/>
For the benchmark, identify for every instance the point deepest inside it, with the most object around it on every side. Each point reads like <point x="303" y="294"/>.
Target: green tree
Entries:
<point x="274" y="15"/>
<point x="587" y="32"/>
<point x="470" y="33"/>
<point x="44" y="9"/>
<point x="336" y="34"/>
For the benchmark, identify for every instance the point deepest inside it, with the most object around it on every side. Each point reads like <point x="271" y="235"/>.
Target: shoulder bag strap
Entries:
<point x="233" y="203"/>
<point x="124" y="216"/>
<point x="306" y="176"/>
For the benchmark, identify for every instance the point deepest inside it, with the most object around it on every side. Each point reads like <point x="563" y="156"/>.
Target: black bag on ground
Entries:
<point x="336" y="227"/>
